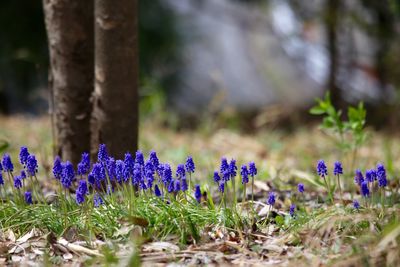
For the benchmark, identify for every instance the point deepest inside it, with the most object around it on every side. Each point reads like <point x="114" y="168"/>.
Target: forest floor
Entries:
<point x="319" y="234"/>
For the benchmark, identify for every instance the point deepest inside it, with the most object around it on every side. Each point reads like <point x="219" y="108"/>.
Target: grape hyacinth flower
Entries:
<point x="91" y="179"/>
<point x="110" y="165"/>
<point x="381" y="175"/>
<point x="31" y="165"/>
<point x="102" y="155"/>
<point x="358" y="178"/>
<point x="1" y="179"/>
<point x="224" y="165"/>
<point x="364" y="189"/>
<point x="154" y="159"/>
<point x="57" y="168"/>
<point x="81" y="192"/>
<point x="184" y="184"/>
<point x="17" y="182"/>
<point x="337" y="168"/>
<point x="197" y="193"/>
<point x="23" y="174"/>
<point x="189" y="165"/>
<point x="252" y="168"/>
<point x="119" y="171"/>
<point x="356" y="204"/>
<point x="1" y="167"/>
<point x="129" y="164"/>
<point x="171" y="186"/>
<point x="292" y="210"/>
<point x="221" y="187"/>
<point x="370" y="175"/>
<point x="177" y="186"/>
<point x="139" y="159"/>
<point x="300" y="188"/>
<point x="271" y="199"/>
<point x="232" y="168"/>
<point x="23" y="155"/>
<point x="98" y="173"/>
<point x="245" y="174"/>
<point x="67" y="175"/>
<point x="167" y="174"/>
<point x="157" y="191"/>
<point x="226" y="175"/>
<point x="97" y="200"/>
<point x="321" y="168"/>
<point x="28" y="197"/>
<point x="84" y="164"/>
<point x="322" y="171"/>
<point x="216" y="177"/>
<point x="7" y="163"/>
<point x="149" y="167"/>
<point x="180" y="171"/>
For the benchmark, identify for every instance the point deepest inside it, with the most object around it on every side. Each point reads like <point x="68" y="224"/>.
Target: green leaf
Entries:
<point x="317" y="110"/>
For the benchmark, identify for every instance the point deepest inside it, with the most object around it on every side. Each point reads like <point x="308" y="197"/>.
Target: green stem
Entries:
<point x="340" y="190"/>
<point x="328" y="189"/>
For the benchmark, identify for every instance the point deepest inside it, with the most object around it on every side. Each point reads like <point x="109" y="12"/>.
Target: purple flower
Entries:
<point x="321" y="168"/>
<point x="139" y="159"/>
<point x="80" y="198"/>
<point x="232" y="168"/>
<point x="221" y="187"/>
<point x="7" y="163"/>
<point x="300" y="187"/>
<point x="217" y="178"/>
<point x="67" y="175"/>
<point x="252" y="168"/>
<point x="17" y="182"/>
<point x="129" y="164"/>
<point x="1" y="167"/>
<point x="98" y="172"/>
<point x="111" y="165"/>
<point x="271" y="199"/>
<point x="171" y="186"/>
<point x="84" y="164"/>
<point x="370" y="175"/>
<point x="177" y="186"/>
<point x="31" y="165"/>
<point x="150" y="178"/>
<point x="167" y="174"/>
<point x="190" y="167"/>
<point x="82" y="187"/>
<point x="356" y="204"/>
<point x="380" y="175"/>
<point x="23" y="155"/>
<point x="358" y="178"/>
<point x="157" y="191"/>
<point x="57" y="168"/>
<point x="364" y="189"/>
<point x="180" y="171"/>
<point x="149" y="167"/>
<point x="226" y="175"/>
<point x="28" y="197"/>
<point x="224" y="165"/>
<point x="97" y="200"/>
<point x="102" y="155"/>
<point x="137" y="178"/>
<point x="23" y="174"/>
<point x="184" y="185"/>
<point x="154" y="159"/>
<point x="292" y="210"/>
<point x="1" y="179"/>
<point x="245" y="174"/>
<point x="119" y="170"/>
<point x="197" y="193"/>
<point x="337" y="168"/>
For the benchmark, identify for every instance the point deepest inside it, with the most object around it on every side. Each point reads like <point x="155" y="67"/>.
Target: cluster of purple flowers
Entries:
<point x="29" y="169"/>
<point x="108" y="173"/>
<point x="372" y="177"/>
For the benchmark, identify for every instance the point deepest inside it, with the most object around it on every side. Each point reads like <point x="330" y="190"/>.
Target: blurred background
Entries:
<point x="247" y="63"/>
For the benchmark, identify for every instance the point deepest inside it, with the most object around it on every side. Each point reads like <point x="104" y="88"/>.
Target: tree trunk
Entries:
<point x="115" y="114"/>
<point x="70" y="31"/>
<point x="331" y="17"/>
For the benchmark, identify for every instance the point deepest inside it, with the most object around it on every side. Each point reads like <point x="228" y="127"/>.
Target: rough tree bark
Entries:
<point x="115" y="113"/>
<point x="70" y="31"/>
